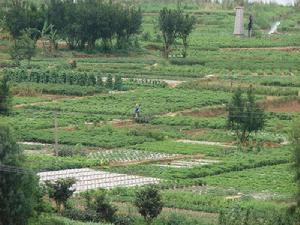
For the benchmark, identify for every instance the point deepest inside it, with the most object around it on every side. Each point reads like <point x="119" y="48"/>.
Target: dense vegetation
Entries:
<point x="91" y="63"/>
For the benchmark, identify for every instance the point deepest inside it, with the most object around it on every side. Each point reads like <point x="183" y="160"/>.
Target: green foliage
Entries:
<point x="109" y="82"/>
<point x="105" y="211"/>
<point x="23" y="48"/>
<point x="19" y="192"/>
<point x="56" y="220"/>
<point x="118" y="84"/>
<point x="251" y="216"/>
<point x="94" y="20"/>
<point x="35" y="89"/>
<point x="244" y="116"/>
<point x="174" y="24"/>
<point x="149" y="203"/>
<point x="296" y="142"/>
<point x="22" y="15"/>
<point x="5" y="96"/>
<point x="60" y="191"/>
<point x="59" y="76"/>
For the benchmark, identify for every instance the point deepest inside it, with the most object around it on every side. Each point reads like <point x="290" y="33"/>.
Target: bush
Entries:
<point x="81" y="215"/>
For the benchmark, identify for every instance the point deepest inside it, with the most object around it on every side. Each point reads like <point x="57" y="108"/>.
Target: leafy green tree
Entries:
<point x="168" y="25"/>
<point x="109" y="82"/>
<point x="186" y="26"/>
<point x="5" y="96"/>
<point x="21" y="15"/>
<point x="18" y="187"/>
<point x="60" y="191"/>
<point x="129" y="23"/>
<point x="118" y="85"/>
<point x="23" y="48"/>
<point x="16" y="19"/>
<point x="149" y="203"/>
<point x="296" y="142"/>
<point x="244" y="115"/>
<point x="105" y="211"/>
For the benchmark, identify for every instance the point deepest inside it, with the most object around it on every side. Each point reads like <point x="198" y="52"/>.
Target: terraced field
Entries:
<point x="181" y="143"/>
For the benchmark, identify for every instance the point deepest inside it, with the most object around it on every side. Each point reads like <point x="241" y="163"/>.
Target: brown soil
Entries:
<point x="288" y="106"/>
<point x="82" y="55"/>
<point x="70" y="128"/>
<point x="197" y="132"/>
<point x="271" y="145"/>
<point x="122" y="123"/>
<point x="206" y="113"/>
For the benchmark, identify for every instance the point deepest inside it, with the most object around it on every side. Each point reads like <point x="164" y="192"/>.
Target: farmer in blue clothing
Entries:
<point x="137" y="110"/>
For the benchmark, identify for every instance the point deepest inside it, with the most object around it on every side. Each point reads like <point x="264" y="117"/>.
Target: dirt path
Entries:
<point x="53" y="99"/>
<point x="167" y="159"/>
<point x="204" y="143"/>
<point x="285" y="49"/>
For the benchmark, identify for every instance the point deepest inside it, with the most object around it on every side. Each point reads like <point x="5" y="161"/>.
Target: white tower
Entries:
<point x="239" y="21"/>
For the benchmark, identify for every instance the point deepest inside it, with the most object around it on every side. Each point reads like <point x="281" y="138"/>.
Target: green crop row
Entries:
<point x="56" y="76"/>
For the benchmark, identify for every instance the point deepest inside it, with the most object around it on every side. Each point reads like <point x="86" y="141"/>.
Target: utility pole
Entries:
<point x="55" y="134"/>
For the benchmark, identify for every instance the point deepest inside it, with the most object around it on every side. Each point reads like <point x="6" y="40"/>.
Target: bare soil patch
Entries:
<point x="287" y="106"/>
<point x="121" y="123"/>
<point x="204" y="143"/>
<point x="197" y="132"/>
<point x="206" y="112"/>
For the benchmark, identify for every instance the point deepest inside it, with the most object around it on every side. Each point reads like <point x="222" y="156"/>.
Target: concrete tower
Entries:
<point x="239" y="23"/>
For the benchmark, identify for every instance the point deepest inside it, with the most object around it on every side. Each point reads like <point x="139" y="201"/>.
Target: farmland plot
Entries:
<point x="87" y="179"/>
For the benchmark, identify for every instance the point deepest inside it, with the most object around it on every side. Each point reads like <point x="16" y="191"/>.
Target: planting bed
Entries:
<point x="130" y="156"/>
<point x="188" y="163"/>
<point x="87" y="179"/>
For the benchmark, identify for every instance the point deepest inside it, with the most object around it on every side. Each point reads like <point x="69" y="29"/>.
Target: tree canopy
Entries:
<point x="175" y="24"/>
<point x="5" y="96"/>
<point x="244" y="115"/>
<point x="149" y="203"/>
<point x="18" y="190"/>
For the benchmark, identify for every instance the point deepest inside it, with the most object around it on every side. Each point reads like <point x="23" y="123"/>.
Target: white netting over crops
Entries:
<point x="117" y="156"/>
<point x="87" y="179"/>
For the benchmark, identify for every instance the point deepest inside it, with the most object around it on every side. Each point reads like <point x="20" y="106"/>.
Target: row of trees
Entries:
<point x="80" y="24"/>
<point x="83" y="23"/>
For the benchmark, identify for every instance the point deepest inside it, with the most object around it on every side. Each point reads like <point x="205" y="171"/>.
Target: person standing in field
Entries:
<point x="137" y="110"/>
<point x="250" y="26"/>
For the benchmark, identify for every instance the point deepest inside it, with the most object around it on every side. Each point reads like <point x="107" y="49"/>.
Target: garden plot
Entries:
<point x="128" y="156"/>
<point x="87" y="179"/>
<point x="204" y="143"/>
<point x="189" y="163"/>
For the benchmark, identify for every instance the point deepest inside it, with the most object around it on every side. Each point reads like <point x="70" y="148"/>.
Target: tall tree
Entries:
<point x="175" y="24"/>
<point x="149" y="203"/>
<point x="168" y="25"/>
<point x="18" y="190"/>
<point x="5" y="96"/>
<point x="186" y="26"/>
<point x="244" y="115"/>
